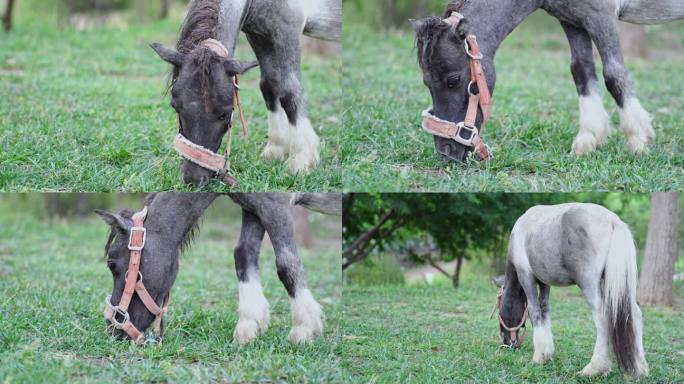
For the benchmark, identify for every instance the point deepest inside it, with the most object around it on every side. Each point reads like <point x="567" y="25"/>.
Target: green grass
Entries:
<point x="53" y="280"/>
<point x="435" y="334"/>
<point x="534" y="118"/>
<point x="87" y="111"/>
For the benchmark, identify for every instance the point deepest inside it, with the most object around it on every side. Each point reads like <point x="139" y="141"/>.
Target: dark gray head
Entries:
<point x="202" y="94"/>
<point x="158" y="266"/>
<point x="446" y="72"/>
<point x="511" y="303"/>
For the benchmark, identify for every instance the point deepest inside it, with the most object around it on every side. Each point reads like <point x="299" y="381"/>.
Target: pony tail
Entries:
<point x="619" y="302"/>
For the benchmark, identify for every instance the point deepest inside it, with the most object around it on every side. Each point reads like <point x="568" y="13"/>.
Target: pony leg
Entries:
<point x="600" y="360"/>
<point x="540" y="317"/>
<point x="253" y="310"/>
<point x="593" y="118"/>
<point x="290" y="132"/>
<point x="635" y="122"/>
<point x="306" y="312"/>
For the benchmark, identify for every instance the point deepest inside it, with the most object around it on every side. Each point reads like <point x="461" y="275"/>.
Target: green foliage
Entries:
<point x="381" y="269"/>
<point x="391" y="13"/>
<point x="471" y="224"/>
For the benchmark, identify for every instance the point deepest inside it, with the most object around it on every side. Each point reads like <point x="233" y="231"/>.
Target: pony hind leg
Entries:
<point x="593" y="118"/>
<point x="307" y="314"/>
<point x="600" y="363"/>
<point x="253" y="308"/>
<point x="291" y="135"/>
<point x="635" y="122"/>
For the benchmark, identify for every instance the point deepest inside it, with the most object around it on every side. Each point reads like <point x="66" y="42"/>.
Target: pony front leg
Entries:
<point x="307" y="314"/>
<point x="253" y="309"/>
<point x="635" y="122"/>
<point x="593" y="119"/>
<point x="543" y="338"/>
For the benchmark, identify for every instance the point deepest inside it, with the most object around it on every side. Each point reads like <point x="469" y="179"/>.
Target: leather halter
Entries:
<point x="465" y="132"/>
<point x="134" y="284"/>
<point x="205" y="157"/>
<point x="513" y="331"/>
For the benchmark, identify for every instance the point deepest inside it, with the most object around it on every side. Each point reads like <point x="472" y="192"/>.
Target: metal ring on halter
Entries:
<point x="467" y="49"/>
<point x="139" y="275"/>
<point x="470" y="84"/>
<point x="117" y="323"/>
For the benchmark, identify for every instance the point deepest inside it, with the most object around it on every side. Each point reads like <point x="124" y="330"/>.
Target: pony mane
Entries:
<point x="430" y="31"/>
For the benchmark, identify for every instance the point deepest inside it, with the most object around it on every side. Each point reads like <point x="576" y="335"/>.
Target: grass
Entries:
<point x="53" y="280"/>
<point x="435" y="334"/>
<point x="534" y="118"/>
<point x="87" y="111"/>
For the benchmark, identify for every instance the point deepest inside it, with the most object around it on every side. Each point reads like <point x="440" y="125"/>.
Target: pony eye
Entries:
<point x="111" y="264"/>
<point x="453" y="80"/>
<point x="224" y="116"/>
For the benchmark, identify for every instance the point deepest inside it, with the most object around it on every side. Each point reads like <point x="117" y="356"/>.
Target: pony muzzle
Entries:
<point x="204" y="158"/>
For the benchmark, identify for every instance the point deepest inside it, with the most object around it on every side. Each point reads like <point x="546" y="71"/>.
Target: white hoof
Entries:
<point x="541" y="357"/>
<point x="253" y="313"/>
<point x="274" y="152"/>
<point x="303" y="161"/>
<point x="307" y="314"/>
<point x="246" y="331"/>
<point x="635" y="122"/>
<point x="584" y="143"/>
<point x="595" y="369"/>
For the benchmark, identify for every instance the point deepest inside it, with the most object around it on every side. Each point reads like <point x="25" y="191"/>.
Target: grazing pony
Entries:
<point x="445" y="58"/>
<point x="143" y="248"/>
<point x="203" y="86"/>
<point x="582" y="244"/>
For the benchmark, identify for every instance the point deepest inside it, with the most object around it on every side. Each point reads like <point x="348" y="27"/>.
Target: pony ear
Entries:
<point x="418" y="24"/>
<point x="169" y="55"/>
<point x="460" y="30"/>
<point x="237" y="67"/>
<point x="499" y="280"/>
<point x="112" y="219"/>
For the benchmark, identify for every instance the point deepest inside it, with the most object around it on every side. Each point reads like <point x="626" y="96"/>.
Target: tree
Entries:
<point x="655" y="282"/>
<point x="7" y="18"/>
<point x="164" y="11"/>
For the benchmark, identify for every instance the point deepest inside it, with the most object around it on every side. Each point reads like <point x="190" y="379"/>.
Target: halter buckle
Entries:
<point x="126" y="317"/>
<point x="132" y="247"/>
<point x="459" y="139"/>
<point x="467" y="49"/>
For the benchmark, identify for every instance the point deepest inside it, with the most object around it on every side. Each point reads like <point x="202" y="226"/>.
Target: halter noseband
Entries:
<point x="513" y="331"/>
<point x="134" y="284"/>
<point x="205" y="157"/>
<point x="465" y="132"/>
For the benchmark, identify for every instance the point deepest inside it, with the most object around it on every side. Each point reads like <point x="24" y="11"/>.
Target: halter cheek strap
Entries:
<point x="466" y="132"/>
<point x="205" y="157"/>
<point x="513" y="331"/>
<point x="134" y="285"/>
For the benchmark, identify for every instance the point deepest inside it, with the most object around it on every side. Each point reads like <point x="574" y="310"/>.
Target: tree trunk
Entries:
<point x="164" y="12"/>
<point x="301" y="224"/>
<point x="655" y="282"/>
<point x="633" y="40"/>
<point x="7" y="18"/>
<point x="361" y="247"/>
<point x="456" y="278"/>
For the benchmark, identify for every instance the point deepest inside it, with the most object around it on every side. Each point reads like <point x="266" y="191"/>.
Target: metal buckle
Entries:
<point x="467" y="49"/>
<point x="130" y="238"/>
<point x="469" y="141"/>
<point x="117" y="323"/>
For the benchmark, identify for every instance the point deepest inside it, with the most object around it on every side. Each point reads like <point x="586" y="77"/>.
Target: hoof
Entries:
<point x="592" y="370"/>
<point x="584" y="143"/>
<point x="274" y="152"/>
<point x="302" y="162"/>
<point x="246" y="331"/>
<point x="301" y="334"/>
<point x="541" y="358"/>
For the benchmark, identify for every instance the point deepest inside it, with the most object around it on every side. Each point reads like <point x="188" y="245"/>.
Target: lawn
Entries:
<point x="435" y="334"/>
<point x="53" y="280"/>
<point x="87" y="111"/>
<point x="534" y="118"/>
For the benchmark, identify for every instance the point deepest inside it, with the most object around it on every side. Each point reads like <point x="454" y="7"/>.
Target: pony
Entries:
<point x="582" y="244"/>
<point x="143" y="249"/>
<point x="203" y="82"/>
<point x="445" y="63"/>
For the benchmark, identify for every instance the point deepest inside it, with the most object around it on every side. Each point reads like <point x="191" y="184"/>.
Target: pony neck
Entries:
<point x="232" y="15"/>
<point x="493" y="20"/>
<point x="175" y="214"/>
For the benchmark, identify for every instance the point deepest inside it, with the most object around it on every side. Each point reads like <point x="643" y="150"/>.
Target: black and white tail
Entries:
<point x="619" y="302"/>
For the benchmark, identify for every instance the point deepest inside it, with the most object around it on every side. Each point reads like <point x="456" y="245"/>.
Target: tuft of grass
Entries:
<point x="87" y="111"/>
<point x="53" y="280"/>
<point x="534" y="118"/>
<point x="435" y="334"/>
<point x="375" y="270"/>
